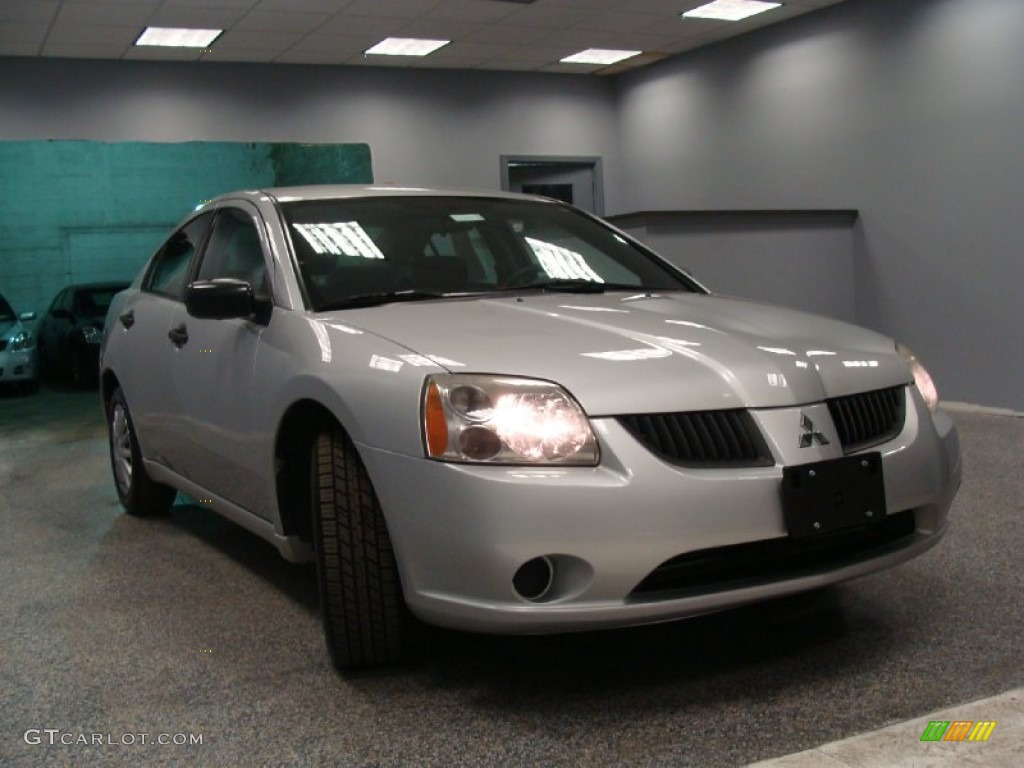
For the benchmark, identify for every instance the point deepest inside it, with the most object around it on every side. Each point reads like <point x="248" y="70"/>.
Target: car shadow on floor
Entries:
<point x="759" y="638"/>
<point x="296" y="580"/>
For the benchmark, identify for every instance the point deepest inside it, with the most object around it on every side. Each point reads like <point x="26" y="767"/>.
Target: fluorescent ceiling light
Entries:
<point x="406" y="46"/>
<point x="178" y="38"/>
<point x="599" y="56"/>
<point x="730" y="10"/>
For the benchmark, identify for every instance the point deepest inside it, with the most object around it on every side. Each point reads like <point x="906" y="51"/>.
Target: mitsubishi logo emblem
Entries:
<point x="809" y="435"/>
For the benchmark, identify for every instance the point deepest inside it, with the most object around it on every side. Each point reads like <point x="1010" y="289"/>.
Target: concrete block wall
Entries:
<point x="80" y="211"/>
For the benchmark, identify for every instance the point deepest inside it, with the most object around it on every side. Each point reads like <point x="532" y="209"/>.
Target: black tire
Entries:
<point x="140" y="495"/>
<point x="366" y="623"/>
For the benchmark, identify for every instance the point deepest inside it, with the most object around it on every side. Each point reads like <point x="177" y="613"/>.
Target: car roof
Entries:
<point x="351" y="191"/>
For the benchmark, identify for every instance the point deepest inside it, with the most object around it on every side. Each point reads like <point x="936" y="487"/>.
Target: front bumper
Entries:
<point x="18" y="366"/>
<point x="461" y="532"/>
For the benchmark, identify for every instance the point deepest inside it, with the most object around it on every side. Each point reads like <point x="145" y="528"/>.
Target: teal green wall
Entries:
<point x="77" y="211"/>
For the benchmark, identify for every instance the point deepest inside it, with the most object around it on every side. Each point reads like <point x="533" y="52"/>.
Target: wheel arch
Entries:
<point x="108" y="383"/>
<point x="293" y="446"/>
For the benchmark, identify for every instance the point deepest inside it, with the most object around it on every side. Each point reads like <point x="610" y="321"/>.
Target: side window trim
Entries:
<point x="258" y="225"/>
<point x="147" y="282"/>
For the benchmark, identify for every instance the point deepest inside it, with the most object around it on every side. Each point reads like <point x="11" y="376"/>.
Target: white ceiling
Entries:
<point x="485" y="34"/>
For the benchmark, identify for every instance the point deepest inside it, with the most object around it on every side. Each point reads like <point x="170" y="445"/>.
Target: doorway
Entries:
<point x="575" y="180"/>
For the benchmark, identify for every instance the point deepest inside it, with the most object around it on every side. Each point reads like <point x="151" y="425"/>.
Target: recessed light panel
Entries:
<point x="173" y="37"/>
<point x="730" y="10"/>
<point x="599" y="56"/>
<point x="406" y="46"/>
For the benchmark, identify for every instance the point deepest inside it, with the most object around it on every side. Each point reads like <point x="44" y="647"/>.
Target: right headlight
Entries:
<point x="922" y="379"/>
<point x="504" y="420"/>
<point x="22" y="340"/>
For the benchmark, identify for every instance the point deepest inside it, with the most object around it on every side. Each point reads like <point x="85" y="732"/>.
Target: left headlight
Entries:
<point x="922" y="379"/>
<point x="22" y="340"/>
<point x="504" y="420"/>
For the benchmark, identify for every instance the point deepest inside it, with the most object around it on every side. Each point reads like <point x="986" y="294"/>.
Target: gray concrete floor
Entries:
<point x="115" y="627"/>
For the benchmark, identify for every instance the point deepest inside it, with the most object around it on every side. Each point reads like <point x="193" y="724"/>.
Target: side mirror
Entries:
<point x="27" y="316"/>
<point x="219" y="299"/>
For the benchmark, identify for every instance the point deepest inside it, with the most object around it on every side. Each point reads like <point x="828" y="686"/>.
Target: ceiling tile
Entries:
<point x="104" y="13"/>
<point x="473" y="10"/>
<point x="93" y="34"/>
<point x="200" y="18"/>
<point x="402" y="8"/>
<point x="39" y="11"/>
<point x="15" y="32"/>
<point x="303" y="6"/>
<point x="276" y="21"/>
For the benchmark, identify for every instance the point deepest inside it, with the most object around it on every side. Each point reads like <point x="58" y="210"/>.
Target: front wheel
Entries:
<point x="139" y="494"/>
<point x="366" y="623"/>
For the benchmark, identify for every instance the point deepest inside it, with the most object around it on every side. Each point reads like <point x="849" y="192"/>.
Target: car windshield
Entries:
<point x="6" y="313"/>
<point x="360" y="252"/>
<point x="93" y="302"/>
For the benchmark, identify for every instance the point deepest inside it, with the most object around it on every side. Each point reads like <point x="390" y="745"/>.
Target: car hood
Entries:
<point x="6" y="326"/>
<point x="646" y="353"/>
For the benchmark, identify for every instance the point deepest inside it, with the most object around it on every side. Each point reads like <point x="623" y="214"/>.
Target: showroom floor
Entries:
<point x="187" y="628"/>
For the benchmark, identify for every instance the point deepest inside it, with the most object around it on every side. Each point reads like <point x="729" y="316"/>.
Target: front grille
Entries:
<point x="869" y="418"/>
<point x="762" y="562"/>
<point x="701" y="438"/>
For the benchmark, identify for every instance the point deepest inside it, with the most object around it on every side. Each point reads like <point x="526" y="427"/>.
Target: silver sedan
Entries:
<point x="493" y="412"/>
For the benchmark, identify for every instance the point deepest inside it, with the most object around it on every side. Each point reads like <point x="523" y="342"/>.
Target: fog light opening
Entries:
<point x="534" y="578"/>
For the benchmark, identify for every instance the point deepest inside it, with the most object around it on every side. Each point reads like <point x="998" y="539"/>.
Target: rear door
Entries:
<point x="141" y="346"/>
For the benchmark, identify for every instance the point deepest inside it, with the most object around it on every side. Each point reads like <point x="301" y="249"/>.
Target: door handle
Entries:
<point x="178" y="335"/>
<point x="127" y="319"/>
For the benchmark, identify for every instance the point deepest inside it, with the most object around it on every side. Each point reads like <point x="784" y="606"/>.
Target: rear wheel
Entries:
<point x="139" y="494"/>
<point x="365" y="619"/>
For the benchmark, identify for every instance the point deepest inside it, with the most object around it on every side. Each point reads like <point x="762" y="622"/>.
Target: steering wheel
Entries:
<point x="524" y="275"/>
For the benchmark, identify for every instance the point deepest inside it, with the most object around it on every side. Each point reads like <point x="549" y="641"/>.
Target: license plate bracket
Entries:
<point x="828" y="496"/>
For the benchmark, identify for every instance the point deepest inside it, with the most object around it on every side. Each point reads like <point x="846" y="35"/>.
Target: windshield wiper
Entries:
<point x="376" y="299"/>
<point x="572" y="286"/>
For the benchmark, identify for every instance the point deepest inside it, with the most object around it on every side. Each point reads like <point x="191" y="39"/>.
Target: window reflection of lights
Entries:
<point x="342" y="238"/>
<point x="800" y="364"/>
<point x="561" y="263"/>
<point x="860" y="363"/>
<point x="777" y="380"/>
<point x="592" y="309"/>
<point x="385" y="363"/>
<point x="819" y="353"/>
<point x="629" y="355"/>
<point x="322" y="339"/>
<point x="777" y="350"/>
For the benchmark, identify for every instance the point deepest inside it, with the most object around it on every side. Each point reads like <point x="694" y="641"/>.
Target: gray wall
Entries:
<point x="911" y="112"/>
<point x="423" y="126"/>
<point x="802" y="259"/>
